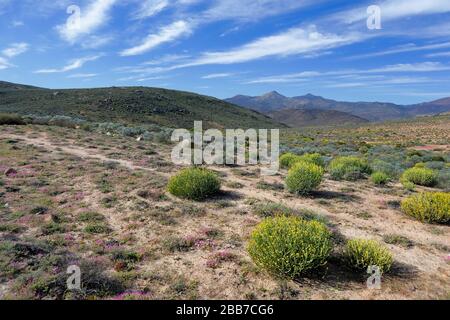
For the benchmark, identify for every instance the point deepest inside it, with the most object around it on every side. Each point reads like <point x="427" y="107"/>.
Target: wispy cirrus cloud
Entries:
<point x="73" y="65"/>
<point x="421" y="67"/>
<point x="15" y="49"/>
<point x="383" y="82"/>
<point x="4" y="64"/>
<point x="438" y="54"/>
<point x="411" y="67"/>
<point x="95" y="15"/>
<point x="165" y="34"/>
<point x="238" y="10"/>
<point x="410" y="47"/>
<point x="295" y="41"/>
<point x="149" y="8"/>
<point x="218" y="75"/>
<point x="250" y="10"/>
<point x="82" y="75"/>
<point x="168" y="58"/>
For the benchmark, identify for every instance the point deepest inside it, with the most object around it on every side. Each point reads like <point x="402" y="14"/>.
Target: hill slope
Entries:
<point x="133" y="105"/>
<point x="315" y="117"/>
<point x="373" y="111"/>
<point x="8" y="86"/>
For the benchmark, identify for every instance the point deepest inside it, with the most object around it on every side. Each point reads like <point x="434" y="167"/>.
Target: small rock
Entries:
<point x="10" y="172"/>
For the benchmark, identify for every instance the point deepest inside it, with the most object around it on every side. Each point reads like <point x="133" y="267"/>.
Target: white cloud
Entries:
<point x="17" y="23"/>
<point x="411" y="47"/>
<point x="150" y="8"/>
<point x="15" y="49"/>
<point x="218" y="75"/>
<point x="91" y="18"/>
<point x="150" y="79"/>
<point x="439" y="54"/>
<point x="411" y="67"/>
<point x="286" y="78"/>
<point x="73" y="64"/>
<point x="165" y="34"/>
<point x="94" y="42"/>
<point x="346" y="85"/>
<point x="421" y="67"/>
<point x="169" y="58"/>
<point x="250" y="9"/>
<point x="241" y="10"/>
<point x="294" y="41"/>
<point x="82" y="75"/>
<point x="4" y="64"/>
<point x="381" y="83"/>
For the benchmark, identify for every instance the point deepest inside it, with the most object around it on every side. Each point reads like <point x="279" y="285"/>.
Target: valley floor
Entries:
<point x="76" y="197"/>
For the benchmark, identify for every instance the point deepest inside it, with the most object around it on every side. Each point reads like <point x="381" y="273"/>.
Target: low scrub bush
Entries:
<point x="315" y="158"/>
<point x="420" y="176"/>
<point x="431" y="207"/>
<point x="97" y="228"/>
<point x="349" y="168"/>
<point x="287" y="247"/>
<point x="444" y="179"/>
<point x="360" y="254"/>
<point x="65" y="122"/>
<point x="408" y="185"/>
<point x="11" y="119"/>
<point x="194" y="184"/>
<point x="288" y="160"/>
<point x="304" y="177"/>
<point x="379" y="178"/>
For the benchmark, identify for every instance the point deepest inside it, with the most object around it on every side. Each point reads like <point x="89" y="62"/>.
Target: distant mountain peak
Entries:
<point x="273" y="94"/>
<point x="310" y="95"/>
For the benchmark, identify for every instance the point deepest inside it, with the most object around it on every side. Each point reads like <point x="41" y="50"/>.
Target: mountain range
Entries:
<point x="178" y="109"/>
<point x="314" y="108"/>
<point x="130" y="106"/>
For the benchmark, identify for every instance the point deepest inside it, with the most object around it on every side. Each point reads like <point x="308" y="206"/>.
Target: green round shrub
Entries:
<point x="360" y="254"/>
<point x="304" y="177"/>
<point x="431" y="207"/>
<point x="194" y="184"/>
<point x="419" y="165"/>
<point x="288" y="159"/>
<point x="420" y="176"/>
<point x="315" y="158"/>
<point x="379" y="178"/>
<point x="289" y="246"/>
<point x="349" y="168"/>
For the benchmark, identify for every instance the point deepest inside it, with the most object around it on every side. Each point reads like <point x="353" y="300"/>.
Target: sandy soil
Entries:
<point x="353" y="209"/>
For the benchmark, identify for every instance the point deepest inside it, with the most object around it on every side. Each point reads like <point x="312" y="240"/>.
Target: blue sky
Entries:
<point x="227" y="47"/>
